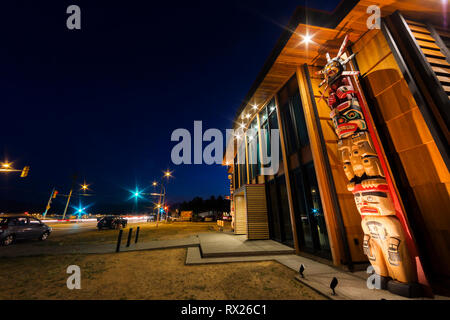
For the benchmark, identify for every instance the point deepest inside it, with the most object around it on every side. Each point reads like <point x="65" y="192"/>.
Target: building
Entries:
<point x="404" y="79"/>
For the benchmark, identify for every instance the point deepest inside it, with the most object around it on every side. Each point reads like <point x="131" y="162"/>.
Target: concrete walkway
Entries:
<point x="222" y="244"/>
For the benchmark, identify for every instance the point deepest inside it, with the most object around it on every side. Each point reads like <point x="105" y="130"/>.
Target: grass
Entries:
<point x="148" y="232"/>
<point x="159" y="274"/>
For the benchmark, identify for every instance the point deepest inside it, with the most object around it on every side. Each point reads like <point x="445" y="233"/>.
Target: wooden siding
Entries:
<point x="240" y="219"/>
<point x="257" y="222"/>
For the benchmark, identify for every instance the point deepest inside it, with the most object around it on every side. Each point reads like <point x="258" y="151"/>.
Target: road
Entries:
<point x="59" y="232"/>
<point x="64" y="229"/>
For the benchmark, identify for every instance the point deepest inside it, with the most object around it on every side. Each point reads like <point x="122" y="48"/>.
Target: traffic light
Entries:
<point x="55" y="193"/>
<point x="25" y="171"/>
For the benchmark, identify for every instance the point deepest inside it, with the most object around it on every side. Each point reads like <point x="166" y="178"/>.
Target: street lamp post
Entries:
<point x="162" y="195"/>
<point x="6" y="167"/>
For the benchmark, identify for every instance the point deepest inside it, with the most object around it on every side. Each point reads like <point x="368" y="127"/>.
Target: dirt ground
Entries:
<point x="158" y="274"/>
<point x="148" y="232"/>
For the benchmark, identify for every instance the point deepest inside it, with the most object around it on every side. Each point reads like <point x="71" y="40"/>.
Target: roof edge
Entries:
<point x="302" y="15"/>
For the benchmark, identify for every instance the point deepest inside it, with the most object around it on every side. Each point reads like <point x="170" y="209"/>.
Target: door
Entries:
<point x="36" y="228"/>
<point x="22" y="228"/>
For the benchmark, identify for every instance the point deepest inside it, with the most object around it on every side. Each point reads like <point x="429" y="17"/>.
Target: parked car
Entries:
<point x="111" y="222"/>
<point x="20" y="227"/>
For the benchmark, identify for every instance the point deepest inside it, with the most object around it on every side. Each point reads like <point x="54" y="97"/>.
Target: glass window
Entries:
<point x="22" y="221"/>
<point x="286" y="216"/>
<point x="274" y="216"/>
<point x="252" y="150"/>
<point x="315" y="208"/>
<point x="300" y="123"/>
<point x="34" y="221"/>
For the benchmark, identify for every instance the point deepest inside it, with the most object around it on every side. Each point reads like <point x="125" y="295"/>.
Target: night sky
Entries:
<point x="103" y="101"/>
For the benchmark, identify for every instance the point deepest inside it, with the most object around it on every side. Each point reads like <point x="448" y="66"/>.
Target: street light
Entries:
<point x="162" y="195"/>
<point x="7" y="167"/>
<point x="167" y="174"/>
<point x="84" y="187"/>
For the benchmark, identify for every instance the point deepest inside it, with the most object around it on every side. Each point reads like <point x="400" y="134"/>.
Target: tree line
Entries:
<point x="199" y="204"/>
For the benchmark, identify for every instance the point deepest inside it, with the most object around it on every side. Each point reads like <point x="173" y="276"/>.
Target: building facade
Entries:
<point x="404" y="81"/>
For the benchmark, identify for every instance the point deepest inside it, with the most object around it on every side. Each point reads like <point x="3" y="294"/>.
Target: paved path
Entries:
<point x="223" y="244"/>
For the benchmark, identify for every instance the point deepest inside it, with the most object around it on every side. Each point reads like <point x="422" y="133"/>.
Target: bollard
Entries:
<point x="119" y="239"/>
<point x="130" y="232"/>
<point x="137" y="234"/>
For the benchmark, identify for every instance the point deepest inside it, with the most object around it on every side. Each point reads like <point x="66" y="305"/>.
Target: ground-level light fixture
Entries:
<point x="333" y="285"/>
<point x="302" y="268"/>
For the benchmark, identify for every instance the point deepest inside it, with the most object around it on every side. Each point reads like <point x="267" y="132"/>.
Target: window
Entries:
<point x="300" y="123"/>
<point x="22" y="221"/>
<point x="34" y="221"/>
<point x="253" y="150"/>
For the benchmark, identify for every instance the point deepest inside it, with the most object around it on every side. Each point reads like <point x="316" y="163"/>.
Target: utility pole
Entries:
<point x="49" y="202"/>
<point x="67" y="203"/>
<point x="162" y="196"/>
<point x="70" y="195"/>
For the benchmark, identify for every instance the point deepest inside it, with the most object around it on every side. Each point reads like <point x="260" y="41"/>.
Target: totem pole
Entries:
<point x="384" y="238"/>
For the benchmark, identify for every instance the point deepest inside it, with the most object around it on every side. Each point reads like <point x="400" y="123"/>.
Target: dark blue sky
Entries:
<point x="103" y="101"/>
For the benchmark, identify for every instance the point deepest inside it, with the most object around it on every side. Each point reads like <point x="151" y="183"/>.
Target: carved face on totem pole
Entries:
<point x="348" y="118"/>
<point x="346" y="113"/>
<point x="374" y="200"/>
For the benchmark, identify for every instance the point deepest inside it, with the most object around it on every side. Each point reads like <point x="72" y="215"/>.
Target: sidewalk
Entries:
<point x="223" y="244"/>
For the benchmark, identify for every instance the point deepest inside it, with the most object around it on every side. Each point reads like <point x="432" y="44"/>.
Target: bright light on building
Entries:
<point x="307" y="38"/>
